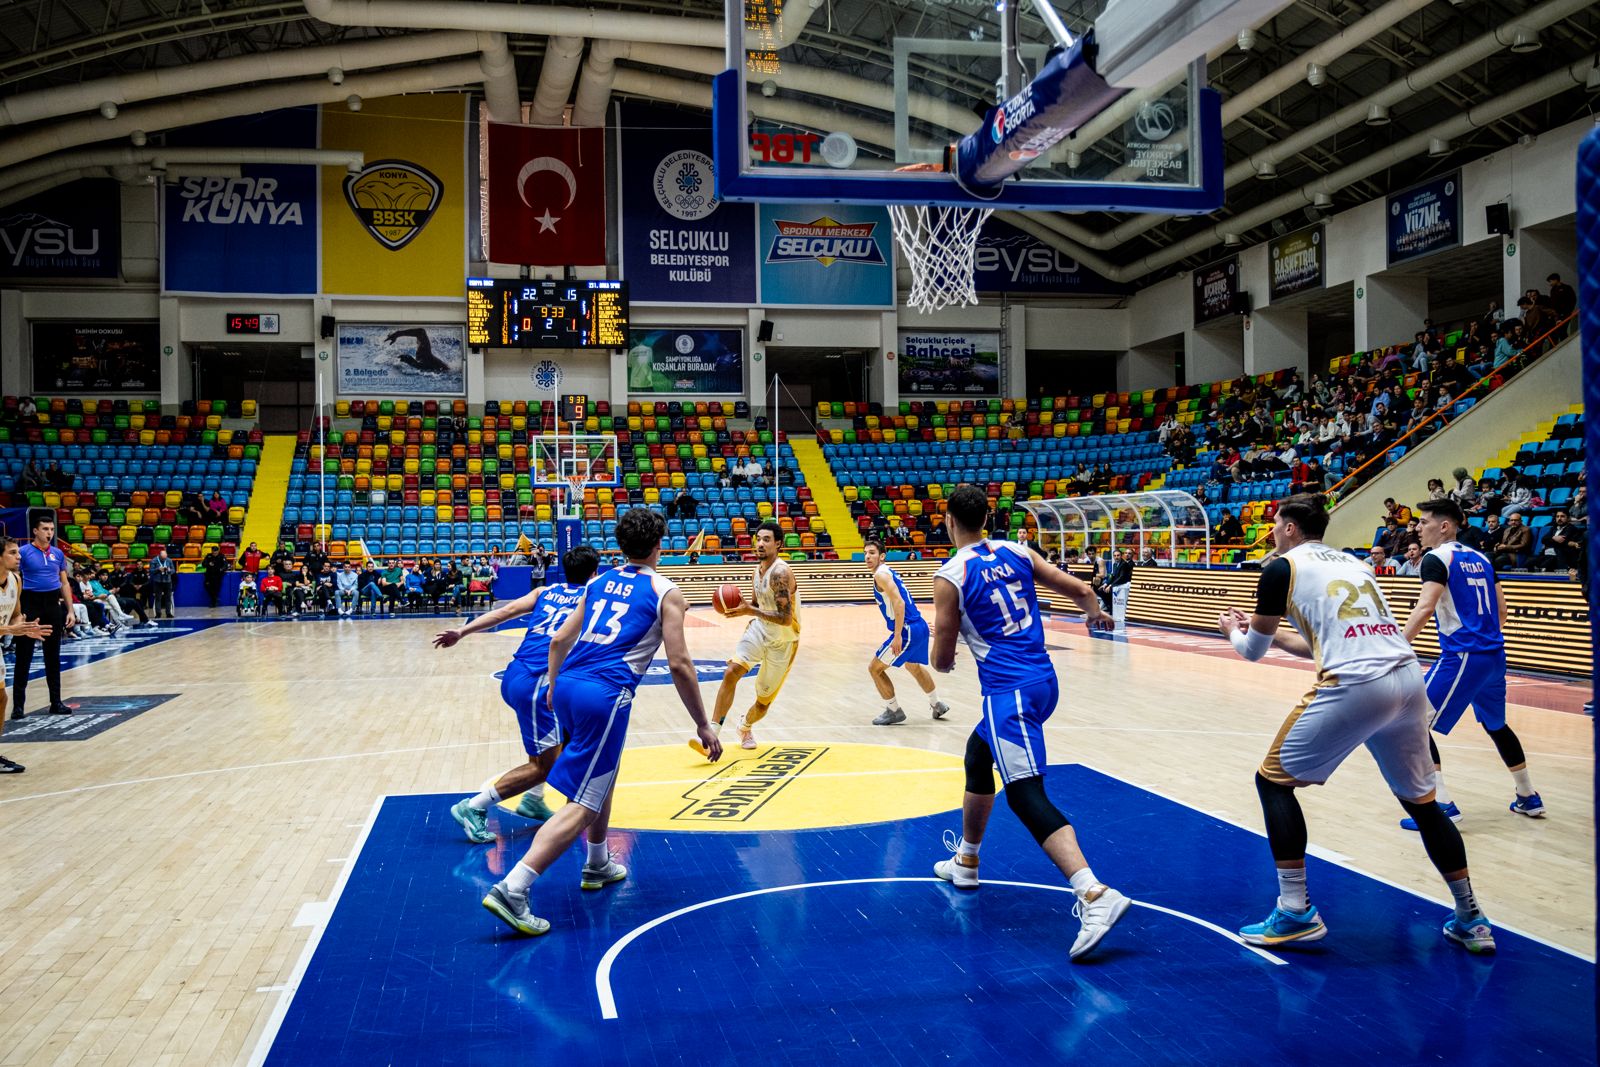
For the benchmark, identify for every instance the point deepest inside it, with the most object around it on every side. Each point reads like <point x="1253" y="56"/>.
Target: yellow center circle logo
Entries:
<point x="778" y="786"/>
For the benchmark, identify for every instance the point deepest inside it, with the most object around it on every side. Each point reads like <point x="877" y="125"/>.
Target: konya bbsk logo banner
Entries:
<point x="394" y="200"/>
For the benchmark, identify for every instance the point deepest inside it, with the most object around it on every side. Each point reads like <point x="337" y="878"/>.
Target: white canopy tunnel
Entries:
<point x="1162" y="520"/>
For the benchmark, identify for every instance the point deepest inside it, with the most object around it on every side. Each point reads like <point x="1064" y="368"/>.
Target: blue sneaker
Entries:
<point x="1476" y="936"/>
<point x="1450" y="810"/>
<point x="1532" y="806"/>
<point x="1283" y="926"/>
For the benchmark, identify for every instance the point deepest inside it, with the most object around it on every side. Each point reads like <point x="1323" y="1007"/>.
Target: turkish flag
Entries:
<point x="547" y="195"/>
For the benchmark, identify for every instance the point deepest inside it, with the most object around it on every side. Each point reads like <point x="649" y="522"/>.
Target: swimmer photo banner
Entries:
<point x="386" y="359"/>
<point x="1295" y="262"/>
<point x="1425" y="218"/>
<point x="399" y="227"/>
<point x="680" y="244"/>
<point x="826" y="256"/>
<point x="254" y="235"/>
<point x="953" y="363"/>
<point x="1216" y="290"/>
<point x="679" y="361"/>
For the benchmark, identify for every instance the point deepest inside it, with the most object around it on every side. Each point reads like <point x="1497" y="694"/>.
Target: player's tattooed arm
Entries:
<point x="783" y="597"/>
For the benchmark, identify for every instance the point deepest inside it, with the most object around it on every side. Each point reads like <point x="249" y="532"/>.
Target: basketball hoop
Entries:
<point x="941" y="245"/>
<point x="575" y="485"/>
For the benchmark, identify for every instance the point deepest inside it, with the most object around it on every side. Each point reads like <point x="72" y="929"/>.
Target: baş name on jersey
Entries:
<point x="618" y="588"/>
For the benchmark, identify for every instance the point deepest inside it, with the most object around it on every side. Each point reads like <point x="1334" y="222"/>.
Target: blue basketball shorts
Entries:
<point x="1013" y="727"/>
<point x="523" y="691"/>
<point x="1458" y="679"/>
<point x="914" y="648"/>
<point x="595" y="716"/>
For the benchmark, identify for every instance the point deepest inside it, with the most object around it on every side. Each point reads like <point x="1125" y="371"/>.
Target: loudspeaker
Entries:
<point x="764" y="331"/>
<point x="329" y="326"/>
<point x="1241" y="303"/>
<point x="1497" y="218"/>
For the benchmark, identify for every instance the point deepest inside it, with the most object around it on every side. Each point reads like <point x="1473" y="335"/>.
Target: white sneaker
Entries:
<point x="953" y="870"/>
<point x="1098" y="910"/>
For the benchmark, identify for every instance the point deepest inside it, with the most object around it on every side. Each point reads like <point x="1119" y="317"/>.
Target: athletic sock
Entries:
<point x="967" y="850"/>
<point x="894" y="704"/>
<point x="1083" y="881"/>
<point x="1440" y="793"/>
<point x="599" y="853"/>
<point x="484" y="799"/>
<point x="1292" y="889"/>
<point x="536" y="791"/>
<point x="933" y="697"/>
<point x="1524" y="783"/>
<point x="1466" y="903"/>
<point x="521" y="878"/>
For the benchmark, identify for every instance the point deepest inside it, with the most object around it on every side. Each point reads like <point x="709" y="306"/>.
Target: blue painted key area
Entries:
<point x="893" y="967"/>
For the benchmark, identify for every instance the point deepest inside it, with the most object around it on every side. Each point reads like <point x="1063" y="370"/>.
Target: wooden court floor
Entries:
<point x="154" y="874"/>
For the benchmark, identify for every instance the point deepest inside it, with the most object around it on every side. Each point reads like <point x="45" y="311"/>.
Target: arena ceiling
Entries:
<point x="47" y="44"/>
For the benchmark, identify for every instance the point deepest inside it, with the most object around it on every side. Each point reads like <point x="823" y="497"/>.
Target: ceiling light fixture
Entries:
<point x="1377" y="115"/>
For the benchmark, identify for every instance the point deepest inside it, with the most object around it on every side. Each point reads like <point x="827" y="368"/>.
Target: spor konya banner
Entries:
<point x="680" y="244"/>
<point x="833" y="255"/>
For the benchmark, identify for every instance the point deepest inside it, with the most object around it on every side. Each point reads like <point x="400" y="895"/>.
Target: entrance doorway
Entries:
<point x="280" y="378"/>
<point x="810" y="376"/>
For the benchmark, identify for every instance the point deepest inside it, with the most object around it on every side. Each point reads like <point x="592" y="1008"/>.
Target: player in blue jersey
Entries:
<point x="596" y="660"/>
<point x="986" y="593"/>
<point x="1460" y="592"/>
<point x="522" y="688"/>
<point x="907" y="644"/>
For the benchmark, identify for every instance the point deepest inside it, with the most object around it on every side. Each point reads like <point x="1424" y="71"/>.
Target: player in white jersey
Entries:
<point x="1369" y="691"/>
<point x="12" y="623"/>
<point x="986" y="594"/>
<point x="768" y="643"/>
<point x="1460" y="591"/>
<point x="907" y="643"/>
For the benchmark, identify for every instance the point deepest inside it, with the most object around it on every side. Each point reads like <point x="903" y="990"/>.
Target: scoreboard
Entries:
<point x="546" y="314"/>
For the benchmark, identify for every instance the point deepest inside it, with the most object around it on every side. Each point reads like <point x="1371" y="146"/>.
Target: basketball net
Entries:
<point x="574" y="501"/>
<point x="941" y="246"/>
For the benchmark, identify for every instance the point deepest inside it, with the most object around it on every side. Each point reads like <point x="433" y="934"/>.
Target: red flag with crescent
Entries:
<point x="547" y="195"/>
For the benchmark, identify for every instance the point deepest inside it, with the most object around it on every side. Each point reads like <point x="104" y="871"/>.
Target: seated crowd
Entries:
<point x="313" y="584"/>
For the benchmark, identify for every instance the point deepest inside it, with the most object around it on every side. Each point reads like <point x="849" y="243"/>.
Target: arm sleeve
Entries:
<point x="1434" y="570"/>
<point x="1272" y="591"/>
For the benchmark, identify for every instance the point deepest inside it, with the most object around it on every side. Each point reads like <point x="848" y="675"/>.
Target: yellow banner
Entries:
<point x="399" y="227"/>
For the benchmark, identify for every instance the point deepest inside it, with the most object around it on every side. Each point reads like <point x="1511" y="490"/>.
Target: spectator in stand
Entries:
<point x="1516" y="544"/>
<point x="316" y="557"/>
<point x="1397" y="512"/>
<point x="1516" y="496"/>
<point x="215" y="565"/>
<point x="297" y="590"/>
<point x="193" y="511"/>
<point x="688" y="505"/>
<point x="416" y="587"/>
<point x="1562" y="548"/>
<point x="56" y="478"/>
<point x="1493" y="317"/>
<point x="1392" y="539"/>
<point x="1563" y="300"/>
<point x="536" y="569"/>
<point x="394" y="586"/>
<point x="1165" y="430"/>
<point x="272" y="593"/>
<point x="1230" y="531"/>
<point x="1488" y="538"/>
<point x="1378" y="560"/>
<point x="1536" y="317"/>
<point x="1411" y="565"/>
<point x="218" y="507"/>
<point x="1579" y="509"/>
<point x="128" y="587"/>
<point x="324" y="589"/>
<point x="27" y="409"/>
<point x="370" y="588"/>
<point x="101" y="591"/>
<point x="163" y="579"/>
<point x="282" y="559"/>
<point x="1436" y="489"/>
<point x="251" y="560"/>
<point x="249" y="597"/>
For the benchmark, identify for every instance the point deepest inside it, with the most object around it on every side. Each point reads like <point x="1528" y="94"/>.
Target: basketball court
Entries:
<point x="303" y="896"/>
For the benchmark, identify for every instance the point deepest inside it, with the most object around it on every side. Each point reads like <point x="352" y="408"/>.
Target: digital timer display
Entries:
<point x="546" y="314"/>
<point x="252" y="322"/>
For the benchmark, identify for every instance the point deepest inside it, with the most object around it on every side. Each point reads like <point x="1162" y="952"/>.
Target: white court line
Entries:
<point x="280" y="1011"/>
<point x="602" y="974"/>
<point x="1342" y="862"/>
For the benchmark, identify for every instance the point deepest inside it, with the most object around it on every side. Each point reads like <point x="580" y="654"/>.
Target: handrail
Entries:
<point x="1383" y="455"/>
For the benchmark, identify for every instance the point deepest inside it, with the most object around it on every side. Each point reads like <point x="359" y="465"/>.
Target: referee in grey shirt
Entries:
<point x="47" y="599"/>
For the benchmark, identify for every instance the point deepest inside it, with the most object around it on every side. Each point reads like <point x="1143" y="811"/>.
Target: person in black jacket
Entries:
<point x="215" y="565"/>
<point x="1121" y="582"/>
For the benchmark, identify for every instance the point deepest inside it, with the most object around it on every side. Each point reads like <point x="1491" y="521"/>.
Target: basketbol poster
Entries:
<point x="384" y="359"/>
<point x="686" y="360"/>
<point x="949" y="363"/>
<point x="98" y="357"/>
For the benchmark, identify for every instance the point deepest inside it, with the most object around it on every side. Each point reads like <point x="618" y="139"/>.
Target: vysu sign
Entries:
<point x="73" y="231"/>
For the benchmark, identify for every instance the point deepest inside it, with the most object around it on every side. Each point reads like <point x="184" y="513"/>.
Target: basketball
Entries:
<point x="727" y="597"/>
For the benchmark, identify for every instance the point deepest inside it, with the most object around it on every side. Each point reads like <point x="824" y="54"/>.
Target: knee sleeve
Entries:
<point x="1439" y="836"/>
<point x="1286" y="823"/>
<point x="1509" y="747"/>
<point x="1035" y="810"/>
<point x="979" y="763"/>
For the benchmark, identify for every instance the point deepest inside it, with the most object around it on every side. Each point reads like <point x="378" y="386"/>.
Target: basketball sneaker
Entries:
<point x="1476" y="935"/>
<point x="602" y="876"/>
<point x="953" y="870"/>
<point x="474" y="822"/>
<point x="1450" y="810"/>
<point x="940" y="710"/>
<point x="1531" y="806"/>
<point x="1098" y="910"/>
<point x="890" y="717"/>
<point x="533" y="807"/>
<point x="512" y="909"/>
<point x="1284" y="925"/>
<point x="747" y="739"/>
